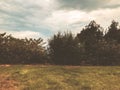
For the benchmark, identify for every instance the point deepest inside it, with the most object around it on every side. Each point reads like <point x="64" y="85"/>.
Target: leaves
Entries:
<point x="14" y="50"/>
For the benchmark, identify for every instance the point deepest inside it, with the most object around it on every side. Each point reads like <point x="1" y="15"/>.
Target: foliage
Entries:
<point x="113" y="33"/>
<point x="89" y="38"/>
<point x="16" y="51"/>
<point x="89" y="47"/>
<point x="63" y="48"/>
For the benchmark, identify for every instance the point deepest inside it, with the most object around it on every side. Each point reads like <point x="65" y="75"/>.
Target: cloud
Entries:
<point x="24" y="34"/>
<point x="28" y="34"/>
<point x="34" y="18"/>
<point x="75" y="20"/>
<point x="24" y="15"/>
<point x="62" y="19"/>
<point x="87" y="4"/>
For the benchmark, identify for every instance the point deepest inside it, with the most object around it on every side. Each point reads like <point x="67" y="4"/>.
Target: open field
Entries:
<point x="40" y="77"/>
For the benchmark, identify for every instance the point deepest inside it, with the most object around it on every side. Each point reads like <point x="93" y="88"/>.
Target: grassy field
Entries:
<point x="39" y="77"/>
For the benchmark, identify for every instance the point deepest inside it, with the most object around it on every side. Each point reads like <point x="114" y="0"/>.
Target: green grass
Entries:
<point x="38" y="77"/>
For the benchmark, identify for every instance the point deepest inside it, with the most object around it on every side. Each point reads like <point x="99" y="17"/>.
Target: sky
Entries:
<point x="44" y="18"/>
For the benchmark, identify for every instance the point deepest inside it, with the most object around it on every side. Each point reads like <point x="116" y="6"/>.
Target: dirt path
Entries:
<point x="7" y="84"/>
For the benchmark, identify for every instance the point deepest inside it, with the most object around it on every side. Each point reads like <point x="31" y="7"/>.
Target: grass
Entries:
<point x="39" y="77"/>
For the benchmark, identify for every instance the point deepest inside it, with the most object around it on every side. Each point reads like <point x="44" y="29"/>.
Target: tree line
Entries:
<point x="21" y="51"/>
<point x="92" y="46"/>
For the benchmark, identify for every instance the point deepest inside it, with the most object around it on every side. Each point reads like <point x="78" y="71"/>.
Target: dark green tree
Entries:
<point x="64" y="49"/>
<point x="89" y="38"/>
<point x="113" y="34"/>
<point x="25" y="51"/>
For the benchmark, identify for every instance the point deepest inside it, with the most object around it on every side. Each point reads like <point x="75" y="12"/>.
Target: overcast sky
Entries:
<point x="43" y="18"/>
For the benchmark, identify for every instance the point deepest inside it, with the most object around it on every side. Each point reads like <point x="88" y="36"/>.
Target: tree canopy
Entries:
<point x="88" y="47"/>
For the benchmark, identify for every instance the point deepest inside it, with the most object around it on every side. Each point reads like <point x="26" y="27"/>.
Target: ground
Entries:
<point x="41" y="77"/>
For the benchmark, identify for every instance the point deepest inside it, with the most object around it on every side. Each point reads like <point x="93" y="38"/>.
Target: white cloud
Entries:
<point x="24" y="34"/>
<point x="28" y="34"/>
<point x="105" y="16"/>
<point x="113" y="2"/>
<point x="27" y="15"/>
<point x="41" y="17"/>
<point x="63" y="20"/>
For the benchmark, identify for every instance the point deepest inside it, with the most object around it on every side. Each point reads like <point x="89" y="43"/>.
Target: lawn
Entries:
<point x="40" y="77"/>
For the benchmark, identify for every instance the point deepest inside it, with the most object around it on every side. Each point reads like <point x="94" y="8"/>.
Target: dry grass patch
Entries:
<point x="7" y="84"/>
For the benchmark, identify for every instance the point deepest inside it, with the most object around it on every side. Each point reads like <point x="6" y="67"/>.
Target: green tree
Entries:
<point x="89" y="38"/>
<point x="25" y="51"/>
<point x="113" y="34"/>
<point x="64" y="49"/>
